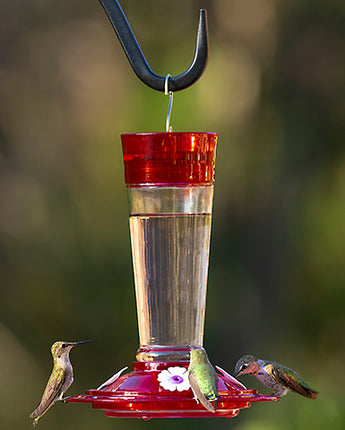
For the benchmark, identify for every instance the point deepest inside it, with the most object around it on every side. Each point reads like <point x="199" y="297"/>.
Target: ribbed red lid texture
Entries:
<point x="169" y="159"/>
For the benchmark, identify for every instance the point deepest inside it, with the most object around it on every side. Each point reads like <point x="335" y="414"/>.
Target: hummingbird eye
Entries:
<point x="64" y="345"/>
<point x="244" y="366"/>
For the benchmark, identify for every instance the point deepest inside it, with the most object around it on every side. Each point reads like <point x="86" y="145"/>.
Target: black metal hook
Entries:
<point x="138" y="61"/>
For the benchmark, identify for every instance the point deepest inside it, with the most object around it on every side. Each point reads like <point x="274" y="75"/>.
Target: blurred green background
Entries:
<point x="274" y="90"/>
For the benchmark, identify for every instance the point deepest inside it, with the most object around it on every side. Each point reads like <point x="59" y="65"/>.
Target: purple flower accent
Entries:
<point x="174" y="378"/>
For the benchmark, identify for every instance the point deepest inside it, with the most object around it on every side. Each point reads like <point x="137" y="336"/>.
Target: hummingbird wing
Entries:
<point x="290" y="379"/>
<point x="51" y="393"/>
<point x="204" y="387"/>
<point x="200" y="395"/>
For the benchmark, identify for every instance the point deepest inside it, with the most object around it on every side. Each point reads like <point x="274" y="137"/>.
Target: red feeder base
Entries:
<point x="139" y="394"/>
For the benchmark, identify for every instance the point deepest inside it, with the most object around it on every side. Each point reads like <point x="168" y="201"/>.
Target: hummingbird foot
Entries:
<point x="62" y="399"/>
<point x="195" y="397"/>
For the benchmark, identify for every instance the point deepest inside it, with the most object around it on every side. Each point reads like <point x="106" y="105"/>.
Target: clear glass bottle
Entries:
<point x="169" y="177"/>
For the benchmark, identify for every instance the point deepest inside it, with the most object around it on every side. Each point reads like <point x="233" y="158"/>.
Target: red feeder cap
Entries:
<point x="169" y="159"/>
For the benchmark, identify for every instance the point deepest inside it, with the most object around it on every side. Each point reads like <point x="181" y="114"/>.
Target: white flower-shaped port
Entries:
<point x="174" y="378"/>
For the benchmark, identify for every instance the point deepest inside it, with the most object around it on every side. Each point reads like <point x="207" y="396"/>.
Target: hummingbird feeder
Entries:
<point x="169" y="178"/>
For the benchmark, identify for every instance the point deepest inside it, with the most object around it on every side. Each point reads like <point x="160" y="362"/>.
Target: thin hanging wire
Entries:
<point x="168" y="127"/>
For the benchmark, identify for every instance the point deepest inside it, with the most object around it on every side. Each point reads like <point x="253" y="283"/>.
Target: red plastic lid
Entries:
<point x="169" y="159"/>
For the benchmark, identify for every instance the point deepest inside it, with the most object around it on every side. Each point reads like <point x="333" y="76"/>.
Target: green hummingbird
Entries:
<point x="60" y="379"/>
<point x="274" y="375"/>
<point x="203" y="379"/>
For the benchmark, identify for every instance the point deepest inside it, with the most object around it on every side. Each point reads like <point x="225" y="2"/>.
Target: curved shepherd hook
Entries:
<point x="138" y="61"/>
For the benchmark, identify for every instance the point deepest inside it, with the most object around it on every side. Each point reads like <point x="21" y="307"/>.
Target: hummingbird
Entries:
<point x="203" y="379"/>
<point x="60" y="379"/>
<point x="274" y="375"/>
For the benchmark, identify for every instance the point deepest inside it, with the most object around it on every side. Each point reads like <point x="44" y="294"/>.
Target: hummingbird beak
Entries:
<point x="83" y="341"/>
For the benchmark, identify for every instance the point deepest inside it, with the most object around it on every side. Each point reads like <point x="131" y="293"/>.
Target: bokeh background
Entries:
<point x="274" y="90"/>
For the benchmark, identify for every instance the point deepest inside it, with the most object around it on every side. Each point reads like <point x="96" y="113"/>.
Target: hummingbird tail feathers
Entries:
<point x="40" y="411"/>
<point x="291" y="380"/>
<point x="34" y="414"/>
<point x="310" y="393"/>
<point x="35" y="421"/>
<point x="37" y="413"/>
